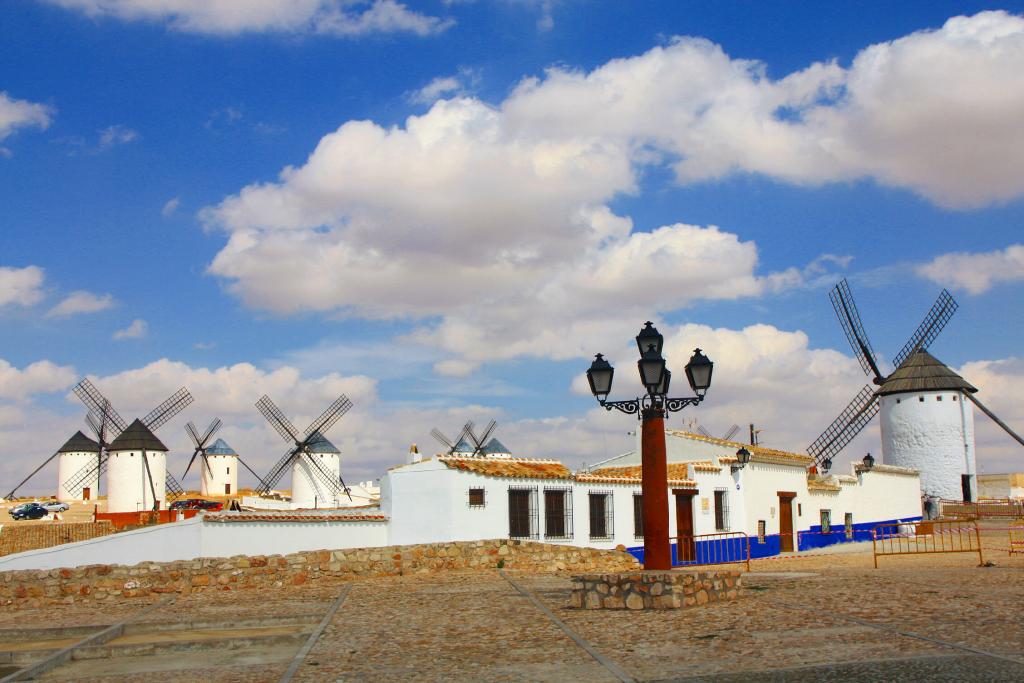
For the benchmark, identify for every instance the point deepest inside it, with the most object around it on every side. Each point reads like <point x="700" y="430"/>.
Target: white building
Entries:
<point x="130" y="483"/>
<point x="316" y="476"/>
<point x="79" y="454"/>
<point x="928" y="424"/>
<point x="219" y="474"/>
<point x="774" y="500"/>
<point x="1001" y="485"/>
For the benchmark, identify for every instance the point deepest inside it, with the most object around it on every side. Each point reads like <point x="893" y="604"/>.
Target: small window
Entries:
<point x="826" y="521"/>
<point x="954" y="397"/>
<point x="721" y="510"/>
<point x="898" y="400"/>
<point x="476" y="498"/>
<point x="760" y="531"/>
<point x="938" y="398"/>
<point x="921" y="399"/>
<point x="558" y="513"/>
<point x="601" y="519"/>
<point x="799" y="510"/>
<point x="229" y="470"/>
<point x="849" y="526"/>
<point x="638" y="515"/>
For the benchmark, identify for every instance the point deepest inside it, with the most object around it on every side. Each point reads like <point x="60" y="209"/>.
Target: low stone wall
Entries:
<point x="118" y="582"/>
<point x="654" y="590"/>
<point x="17" y="539"/>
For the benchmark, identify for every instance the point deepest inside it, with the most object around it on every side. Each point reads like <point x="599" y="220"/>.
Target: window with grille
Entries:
<point x="721" y="509"/>
<point x="601" y="520"/>
<point x="760" y="531"/>
<point x="638" y="515"/>
<point x="522" y="512"/>
<point x="476" y="498"/>
<point x="826" y="521"/>
<point x="849" y="526"/>
<point x="558" y="513"/>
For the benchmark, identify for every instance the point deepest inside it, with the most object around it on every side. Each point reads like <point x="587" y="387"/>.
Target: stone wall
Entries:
<point x="117" y="582"/>
<point x="654" y="590"/>
<point x="17" y="539"/>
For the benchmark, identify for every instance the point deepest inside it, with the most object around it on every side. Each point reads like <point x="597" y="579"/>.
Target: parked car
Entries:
<point x="29" y="511"/>
<point x="56" y="506"/>
<point x="197" y="504"/>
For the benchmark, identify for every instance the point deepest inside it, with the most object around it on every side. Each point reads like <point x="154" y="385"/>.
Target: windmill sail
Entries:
<point x="845" y="428"/>
<point x="936" y="319"/>
<point x="849" y="318"/>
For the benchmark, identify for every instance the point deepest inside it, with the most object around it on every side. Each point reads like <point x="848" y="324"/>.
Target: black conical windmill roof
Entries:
<point x="79" y="443"/>
<point x="137" y="437"/>
<point x="922" y="371"/>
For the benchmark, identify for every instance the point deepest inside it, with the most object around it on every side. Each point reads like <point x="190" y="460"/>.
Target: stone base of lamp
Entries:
<point x="675" y="589"/>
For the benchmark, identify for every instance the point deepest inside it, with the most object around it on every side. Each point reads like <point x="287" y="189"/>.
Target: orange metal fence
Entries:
<point x="724" y="547"/>
<point x="932" y="536"/>
<point x="1017" y="538"/>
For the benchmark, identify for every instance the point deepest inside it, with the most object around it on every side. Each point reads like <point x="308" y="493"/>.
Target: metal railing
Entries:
<point x="993" y="508"/>
<point x="724" y="547"/>
<point x="926" y="537"/>
<point x="1017" y="538"/>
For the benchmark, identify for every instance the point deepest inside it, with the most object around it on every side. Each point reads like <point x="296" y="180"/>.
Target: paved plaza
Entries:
<point x="827" y="616"/>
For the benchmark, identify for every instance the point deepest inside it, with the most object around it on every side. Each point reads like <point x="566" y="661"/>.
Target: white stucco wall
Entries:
<point x="69" y="465"/>
<point x="934" y="436"/>
<point x="194" y="538"/>
<point x="223" y="471"/>
<point x="128" y="488"/>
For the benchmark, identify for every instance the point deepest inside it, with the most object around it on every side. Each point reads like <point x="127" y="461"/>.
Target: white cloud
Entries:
<point x="38" y="378"/>
<point x="21" y="286"/>
<point x="976" y="272"/>
<point x="137" y="330"/>
<point x="458" y="84"/>
<point x="232" y="17"/>
<point x="1000" y="386"/>
<point x="81" y="302"/>
<point x="111" y="136"/>
<point x="16" y="114"/>
<point x="170" y="207"/>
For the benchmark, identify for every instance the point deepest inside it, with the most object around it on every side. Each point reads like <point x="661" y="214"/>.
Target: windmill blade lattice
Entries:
<point x="277" y="419"/>
<point x="173" y="405"/>
<point x="329" y="417"/>
<point x="849" y="318"/>
<point x="96" y="402"/>
<point x="276" y="472"/>
<point x="731" y="433"/>
<point x="173" y="487"/>
<point x="337" y="488"/>
<point x="936" y="319"/>
<point x="845" y="428"/>
<point x="87" y="473"/>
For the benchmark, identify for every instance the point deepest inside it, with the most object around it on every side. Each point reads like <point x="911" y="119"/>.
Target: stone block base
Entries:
<point x="654" y="590"/>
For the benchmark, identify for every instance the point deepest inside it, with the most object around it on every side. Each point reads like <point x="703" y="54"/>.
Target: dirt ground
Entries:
<point x="810" y="617"/>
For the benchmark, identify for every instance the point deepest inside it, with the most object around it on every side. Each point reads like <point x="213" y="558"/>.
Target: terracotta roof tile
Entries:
<point x="509" y="468"/>
<point x="632" y="474"/>
<point x="293" y="517"/>
<point x="758" y="453"/>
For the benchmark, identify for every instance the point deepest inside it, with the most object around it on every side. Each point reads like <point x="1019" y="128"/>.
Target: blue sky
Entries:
<point x="555" y="187"/>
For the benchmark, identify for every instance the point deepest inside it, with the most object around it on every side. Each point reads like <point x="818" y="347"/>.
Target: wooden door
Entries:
<point x="227" y="489"/>
<point x="786" y="521"/>
<point x="685" y="549"/>
<point x="86" y="493"/>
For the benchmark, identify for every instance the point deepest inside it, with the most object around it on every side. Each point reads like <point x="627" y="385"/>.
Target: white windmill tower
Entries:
<point x="136" y="460"/>
<point x="315" y="462"/>
<point x="77" y="452"/>
<point x="219" y="471"/>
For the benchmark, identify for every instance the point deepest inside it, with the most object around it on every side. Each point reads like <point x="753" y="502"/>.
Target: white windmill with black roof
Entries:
<point x="314" y="461"/>
<point x="927" y="422"/>
<point x="135" y="461"/>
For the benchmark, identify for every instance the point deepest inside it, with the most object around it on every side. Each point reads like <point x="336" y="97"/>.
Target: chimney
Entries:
<point x="414" y="454"/>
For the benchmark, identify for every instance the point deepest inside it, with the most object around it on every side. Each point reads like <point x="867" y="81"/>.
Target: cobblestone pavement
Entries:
<point x="829" y="617"/>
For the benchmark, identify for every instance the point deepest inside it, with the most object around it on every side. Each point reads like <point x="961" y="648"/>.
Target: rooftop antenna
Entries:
<point x="864" y="405"/>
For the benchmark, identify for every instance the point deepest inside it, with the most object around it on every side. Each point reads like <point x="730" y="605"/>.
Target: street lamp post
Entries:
<point x="652" y="409"/>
